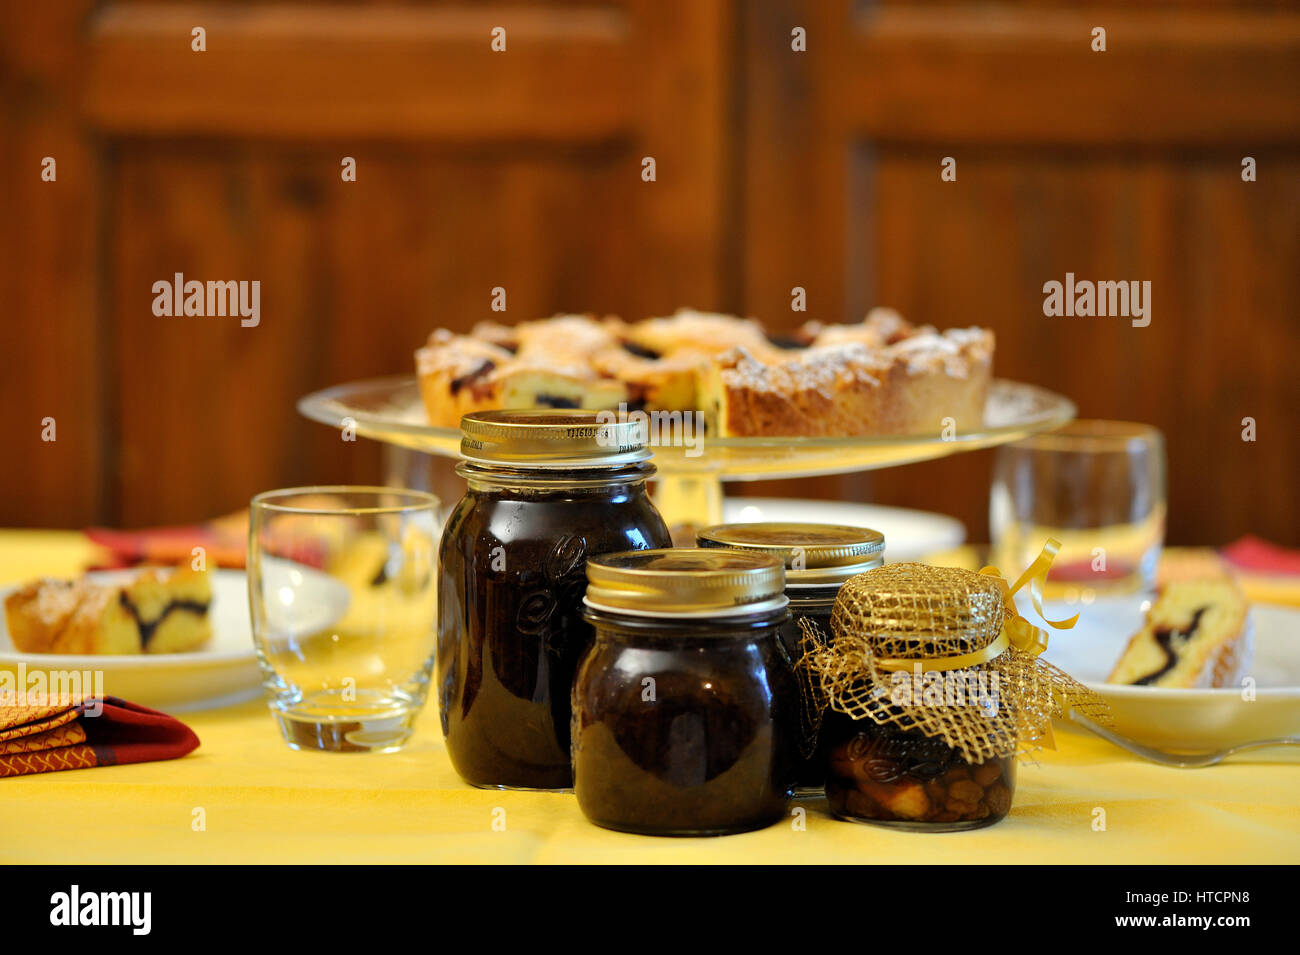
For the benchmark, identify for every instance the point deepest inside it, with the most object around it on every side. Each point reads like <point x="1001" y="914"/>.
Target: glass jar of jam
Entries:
<point x="926" y="699"/>
<point x="546" y="490"/>
<point x="681" y="708"/>
<point x="818" y="559"/>
<point x="908" y="780"/>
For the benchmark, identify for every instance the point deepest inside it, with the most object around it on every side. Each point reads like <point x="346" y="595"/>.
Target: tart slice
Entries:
<point x="881" y="327"/>
<point x="654" y="382"/>
<point x="460" y="374"/>
<point x="701" y="332"/>
<point x="158" y="612"/>
<point x="101" y="625"/>
<point x="454" y="375"/>
<point x="38" y="613"/>
<point x="912" y="387"/>
<point x="823" y="391"/>
<point x="170" y="610"/>
<point x="1195" y="636"/>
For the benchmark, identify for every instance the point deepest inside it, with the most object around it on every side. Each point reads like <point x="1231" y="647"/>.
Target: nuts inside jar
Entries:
<point x="885" y="774"/>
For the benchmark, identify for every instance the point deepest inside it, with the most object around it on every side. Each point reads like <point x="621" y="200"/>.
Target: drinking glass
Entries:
<point x="342" y="587"/>
<point x="1098" y="487"/>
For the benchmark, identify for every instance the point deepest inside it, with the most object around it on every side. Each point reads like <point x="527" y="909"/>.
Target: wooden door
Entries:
<point x="1117" y="165"/>
<point x="476" y="168"/>
<point x="522" y="169"/>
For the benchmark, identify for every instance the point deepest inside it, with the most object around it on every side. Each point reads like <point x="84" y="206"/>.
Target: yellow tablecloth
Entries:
<point x="262" y="802"/>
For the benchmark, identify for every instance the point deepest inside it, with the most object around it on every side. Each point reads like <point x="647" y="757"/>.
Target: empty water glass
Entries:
<point x="1098" y="487"/>
<point x="342" y="588"/>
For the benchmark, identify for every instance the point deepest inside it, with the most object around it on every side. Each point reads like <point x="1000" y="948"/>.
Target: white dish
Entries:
<point x="223" y="672"/>
<point x="300" y="599"/>
<point x="1188" y="720"/>
<point x="909" y="535"/>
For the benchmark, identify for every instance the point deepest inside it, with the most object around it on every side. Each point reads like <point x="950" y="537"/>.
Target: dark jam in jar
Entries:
<point x="818" y="559"/>
<point x="813" y="604"/>
<point x="906" y="779"/>
<point x="545" y="492"/>
<point x="680" y="710"/>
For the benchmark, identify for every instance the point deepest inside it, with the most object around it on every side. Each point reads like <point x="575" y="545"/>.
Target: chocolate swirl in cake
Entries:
<point x="147" y="627"/>
<point x="468" y="379"/>
<point x="1171" y="640"/>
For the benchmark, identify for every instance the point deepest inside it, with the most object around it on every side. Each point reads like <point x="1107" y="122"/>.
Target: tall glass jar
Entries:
<point x="546" y="491"/>
<point x="681" y="711"/>
<point x="818" y="559"/>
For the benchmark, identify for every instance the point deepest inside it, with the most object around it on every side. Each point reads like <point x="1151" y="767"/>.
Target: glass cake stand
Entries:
<point x="689" y="483"/>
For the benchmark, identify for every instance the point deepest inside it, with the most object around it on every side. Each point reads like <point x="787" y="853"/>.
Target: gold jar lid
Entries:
<point x="814" y="554"/>
<point x="685" y="581"/>
<point x="547" y="438"/>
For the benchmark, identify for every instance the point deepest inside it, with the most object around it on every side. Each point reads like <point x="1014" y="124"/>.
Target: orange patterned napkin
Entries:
<point x="45" y="738"/>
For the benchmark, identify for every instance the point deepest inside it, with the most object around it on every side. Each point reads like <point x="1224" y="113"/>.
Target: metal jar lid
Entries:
<point x="685" y="581"/>
<point x="814" y="554"/>
<point x="547" y="438"/>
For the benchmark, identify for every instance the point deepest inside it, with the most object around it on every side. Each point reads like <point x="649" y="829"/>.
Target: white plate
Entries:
<point x="300" y="599"/>
<point x="225" y="671"/>
<point x="909" y="535"/>
<point x="1190" y="720"/>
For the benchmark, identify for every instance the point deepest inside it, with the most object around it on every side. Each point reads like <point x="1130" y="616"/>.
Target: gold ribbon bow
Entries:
<point x="1020" y="632"/>
<point x="1016" y="630"/>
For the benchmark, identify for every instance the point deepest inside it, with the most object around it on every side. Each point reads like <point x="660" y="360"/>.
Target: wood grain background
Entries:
<point x="522" y="170"/>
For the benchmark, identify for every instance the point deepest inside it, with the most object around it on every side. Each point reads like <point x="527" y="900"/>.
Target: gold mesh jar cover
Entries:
<point x="914" y="611"/>
<point x="942" y="651"/>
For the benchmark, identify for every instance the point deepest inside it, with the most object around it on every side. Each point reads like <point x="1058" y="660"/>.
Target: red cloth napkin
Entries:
<point x="225" y="539"/>
<point x="1258" y="556"/>
<point x="50" y="737"/>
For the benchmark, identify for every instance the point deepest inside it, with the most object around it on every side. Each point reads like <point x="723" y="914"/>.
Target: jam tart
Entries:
<point x="880" y="376"/>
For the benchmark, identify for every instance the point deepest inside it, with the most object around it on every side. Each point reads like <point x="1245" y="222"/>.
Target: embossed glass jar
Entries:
<point x="681" y="722"/>
<point x="818" y="559"/>
<point x="546" y="490"/>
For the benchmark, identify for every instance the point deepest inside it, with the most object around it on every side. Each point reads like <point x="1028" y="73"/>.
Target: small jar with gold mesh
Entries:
<point x="683" y="709"/>
<point x="928" y="689"/>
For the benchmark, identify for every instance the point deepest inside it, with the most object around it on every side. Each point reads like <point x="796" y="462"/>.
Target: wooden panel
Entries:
<point x="50" y="349"/>
<point x="476" y="170"/>
<point x="1122" y="165"/>
<point x="354" y="275"/>
<point x="312" y="71"/>
<point x="685" y="221"/>
<point x="992" y="73"/>
<point x="1222" y="256"/>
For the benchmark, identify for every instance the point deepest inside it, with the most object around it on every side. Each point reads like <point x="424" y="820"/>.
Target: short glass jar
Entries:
<point x="818" y="559"/>
<point x="546" y="490"/>
<point x="681" y="722"/>
<point x="905" y="779"/>
<point x="925" y="699"/>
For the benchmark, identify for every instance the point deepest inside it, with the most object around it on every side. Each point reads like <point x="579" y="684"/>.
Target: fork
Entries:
<point x="1179" y="760"/>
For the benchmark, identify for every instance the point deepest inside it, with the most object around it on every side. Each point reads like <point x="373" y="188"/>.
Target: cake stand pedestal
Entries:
<point x="688" y="486"/>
